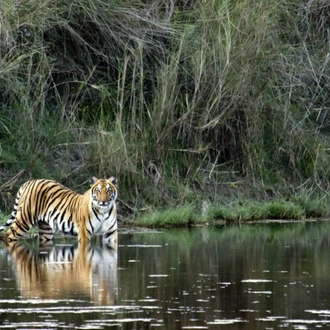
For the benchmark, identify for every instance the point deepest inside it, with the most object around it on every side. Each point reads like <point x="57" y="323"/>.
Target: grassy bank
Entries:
<point x="217" y="109"/>
<point x="231" y="213"/>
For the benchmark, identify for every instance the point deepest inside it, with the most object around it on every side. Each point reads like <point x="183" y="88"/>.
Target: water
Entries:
<point x="267" y="276"/>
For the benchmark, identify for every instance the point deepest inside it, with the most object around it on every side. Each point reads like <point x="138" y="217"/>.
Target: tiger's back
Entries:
<point x="52" y="207"/>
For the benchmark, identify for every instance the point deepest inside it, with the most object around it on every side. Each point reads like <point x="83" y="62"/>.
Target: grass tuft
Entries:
<point x="177" y="217"/>
<point x="278" y="209"/>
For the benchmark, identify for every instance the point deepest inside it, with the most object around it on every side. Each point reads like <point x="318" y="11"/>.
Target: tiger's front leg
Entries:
<point x="18" y="229"/>
<point x="84" y="236"/>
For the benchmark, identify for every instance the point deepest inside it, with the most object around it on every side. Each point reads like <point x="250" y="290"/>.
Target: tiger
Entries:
<point x="52" y="208"/>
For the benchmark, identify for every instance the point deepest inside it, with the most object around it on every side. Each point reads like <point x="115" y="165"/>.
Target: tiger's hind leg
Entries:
<point x="45" y="233"/>
<point x="18" y="229"/>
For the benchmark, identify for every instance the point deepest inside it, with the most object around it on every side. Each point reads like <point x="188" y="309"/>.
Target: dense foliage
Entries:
<point x="186" y="101"/>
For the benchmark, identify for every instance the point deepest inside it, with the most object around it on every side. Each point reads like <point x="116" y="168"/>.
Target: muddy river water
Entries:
<point x="255" y="276"/>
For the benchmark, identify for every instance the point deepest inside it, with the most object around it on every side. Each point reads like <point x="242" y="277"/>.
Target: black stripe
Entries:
<point x="114" y="223"/>
<point x="39" y="193"/>
<point x="110" y="212"/>
<point x="90" y="223"/>
<point x="55" y="219"/>
<point x="61" y="202"/>
<point x="62" y="216"/>
<point x="15" y="233"/>
<point x="21" y="227"/>
<point x="72" y="230"/>
<point x="3" y="227"/>
<point x="109" y="233"/>
<point x="96" y="214"/>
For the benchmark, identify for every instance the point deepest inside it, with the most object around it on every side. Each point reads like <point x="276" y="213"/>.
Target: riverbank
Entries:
<point x="233" y="213"/>
<point x="206" y="214"/>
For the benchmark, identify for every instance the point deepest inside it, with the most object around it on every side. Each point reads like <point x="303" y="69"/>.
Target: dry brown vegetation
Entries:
<point x="185" y="101"/>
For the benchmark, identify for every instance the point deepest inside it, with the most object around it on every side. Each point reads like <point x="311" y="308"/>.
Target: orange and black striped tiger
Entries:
<point x="55" y="208"/>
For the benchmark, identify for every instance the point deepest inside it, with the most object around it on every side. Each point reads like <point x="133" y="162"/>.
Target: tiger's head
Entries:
<point x="103" y="192"/>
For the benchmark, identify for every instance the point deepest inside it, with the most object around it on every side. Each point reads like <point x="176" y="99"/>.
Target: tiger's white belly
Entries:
<point x="108" y="222"/>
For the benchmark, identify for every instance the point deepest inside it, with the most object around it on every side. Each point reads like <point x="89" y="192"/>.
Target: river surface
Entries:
<point x="256" y="276"/>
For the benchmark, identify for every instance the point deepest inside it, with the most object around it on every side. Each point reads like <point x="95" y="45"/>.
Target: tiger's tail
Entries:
<point x="13" y="214"/>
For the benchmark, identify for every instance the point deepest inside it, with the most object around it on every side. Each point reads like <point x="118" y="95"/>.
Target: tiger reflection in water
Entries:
<point x="66" y="272"/>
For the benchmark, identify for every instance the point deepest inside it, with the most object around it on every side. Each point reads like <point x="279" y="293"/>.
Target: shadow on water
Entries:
<point x="249" y="277"/>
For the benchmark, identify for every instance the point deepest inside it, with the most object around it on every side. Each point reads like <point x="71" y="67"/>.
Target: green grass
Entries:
<point x="3" y="218"/>
<point x="233" y="213"/>
<point x="171" y="217"/>
<point x="280" y="210"/>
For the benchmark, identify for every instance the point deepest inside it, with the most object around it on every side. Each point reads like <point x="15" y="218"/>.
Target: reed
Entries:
<point x="186" y="102"/>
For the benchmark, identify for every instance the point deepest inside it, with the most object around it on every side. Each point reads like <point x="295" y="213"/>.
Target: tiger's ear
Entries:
<point x="113" y="180"/>
<point x="93" y="179"/>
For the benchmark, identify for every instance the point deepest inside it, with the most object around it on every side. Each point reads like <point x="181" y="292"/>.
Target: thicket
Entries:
<point x="186" y="101"/>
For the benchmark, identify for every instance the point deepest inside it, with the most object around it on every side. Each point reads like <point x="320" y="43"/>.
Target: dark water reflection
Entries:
<point x="266" y="276"/>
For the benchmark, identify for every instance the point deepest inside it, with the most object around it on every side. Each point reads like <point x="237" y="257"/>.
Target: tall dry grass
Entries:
<point x="183" y="100"/>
